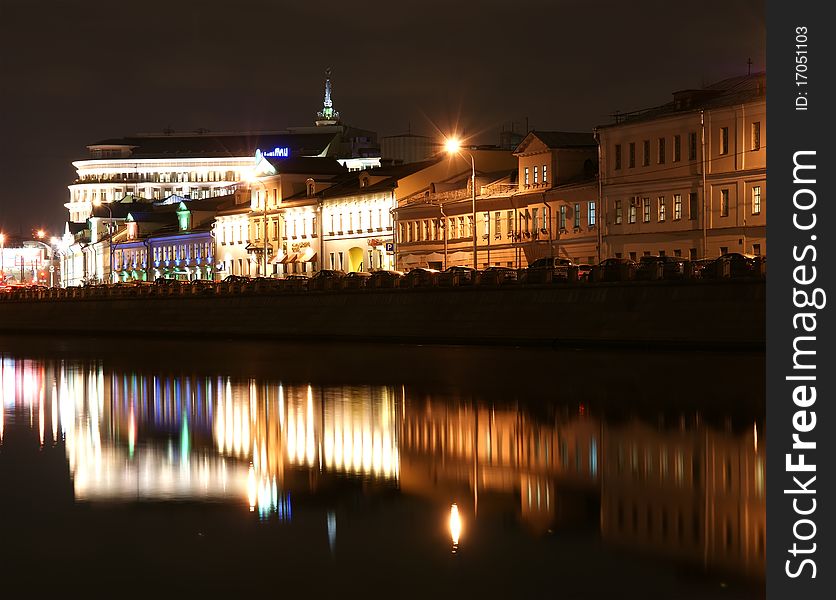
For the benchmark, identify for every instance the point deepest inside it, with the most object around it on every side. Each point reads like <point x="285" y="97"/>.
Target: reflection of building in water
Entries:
<point x="692" y="493"/>
<point x="131" y="436"/>
<point x="464" y="451"/>
<point x="695" y="494"/>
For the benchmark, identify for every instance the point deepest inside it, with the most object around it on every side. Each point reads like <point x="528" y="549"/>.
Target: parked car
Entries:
<point x="698" y="267"/>
<point x="327" y="274"/>
<point x="420" y="277"/>
<point x="356" y="279"/>
<point x="236" y="279"/>
<point x="584" y="272"/>
<point x="458" y="276"/>
<point x="295" y="281"/>
<point x="733" y="264"/>
<point x="616" y="269"/>
<point x="167" y="281"/>
<point x="385" y="279"/>
<point x="660" y="267"/>
<point x="547" y="269"/>
<point x="498" y="275"/>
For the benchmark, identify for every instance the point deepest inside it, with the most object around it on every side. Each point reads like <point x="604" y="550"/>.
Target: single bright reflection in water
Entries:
<point x="455" y="526"/>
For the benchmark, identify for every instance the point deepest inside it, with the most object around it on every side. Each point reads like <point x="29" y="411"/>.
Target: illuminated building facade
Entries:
<point x="688" y="178"/>
<point x="198" y="165"/>
<point x="537" y="203"/>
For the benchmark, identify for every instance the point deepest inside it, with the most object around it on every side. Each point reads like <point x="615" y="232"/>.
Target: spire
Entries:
<point x="327" y="116"/>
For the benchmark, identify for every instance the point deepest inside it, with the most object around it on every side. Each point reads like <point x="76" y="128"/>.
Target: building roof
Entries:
<point x="198" y="145"/>
<point x="307" y="165"/>
<point x="557" y="139"/>
<point x="734" y="90"/>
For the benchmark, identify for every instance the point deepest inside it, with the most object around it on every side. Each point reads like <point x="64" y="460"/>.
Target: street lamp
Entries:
<point x="109" y="234"/>
<point x="454" y="146"/>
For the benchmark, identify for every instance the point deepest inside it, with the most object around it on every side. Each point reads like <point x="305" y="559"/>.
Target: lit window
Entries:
<point x="646" y="210"/>
<point x="618" y="212"/>
<point x="545" y="174"/>
<point x="724" y="140"/>
<point x="677" y="207"/>
<point x="535" y="175"/>
<point x="577" y="215"/>
<point x="756" y="135"/>
<point x="756" y="200"/>
<point x="661" y="208"/>
<point x="590" y="213"/>
<point x="526" y="176"/>
<point x="724" y="203"/>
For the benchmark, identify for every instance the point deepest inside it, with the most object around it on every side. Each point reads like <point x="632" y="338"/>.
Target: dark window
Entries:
<point x="646" y="153"/>
<point x="632" y="157"/>
<point x="618" y="156"/>
<point x="692" y="205"/>
<point x="692" y="145"/>
<point x="756" y="135"/>
<point x="661" y="151"/>
<point x="677" y="150"/>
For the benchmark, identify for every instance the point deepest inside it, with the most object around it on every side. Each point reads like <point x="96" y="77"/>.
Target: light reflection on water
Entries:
<point x="689" y="492"/>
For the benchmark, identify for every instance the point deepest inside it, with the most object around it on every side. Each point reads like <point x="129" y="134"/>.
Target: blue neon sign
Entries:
<point x="277" y="152"/>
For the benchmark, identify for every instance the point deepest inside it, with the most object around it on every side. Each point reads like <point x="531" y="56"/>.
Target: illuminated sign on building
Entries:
<point x="277" y="152"/>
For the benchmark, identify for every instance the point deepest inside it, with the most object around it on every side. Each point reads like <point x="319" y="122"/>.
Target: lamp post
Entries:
<point x="2" y="257"/>
<point x="109" y="234"/>
<point x="454" y="146"/>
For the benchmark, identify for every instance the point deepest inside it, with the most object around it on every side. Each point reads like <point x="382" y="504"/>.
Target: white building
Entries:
<point x="194" y="165"/>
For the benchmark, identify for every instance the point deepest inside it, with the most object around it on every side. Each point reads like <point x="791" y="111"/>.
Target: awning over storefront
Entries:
<point x="311" y="259"/>
<point x="290" y="258"/>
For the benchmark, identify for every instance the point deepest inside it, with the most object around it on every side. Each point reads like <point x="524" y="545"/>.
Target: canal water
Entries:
<point x="223" y="468"/>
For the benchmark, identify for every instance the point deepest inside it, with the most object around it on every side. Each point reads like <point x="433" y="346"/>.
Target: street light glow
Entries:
<point x="41" y="234"/>
<point x="452" y="145"/>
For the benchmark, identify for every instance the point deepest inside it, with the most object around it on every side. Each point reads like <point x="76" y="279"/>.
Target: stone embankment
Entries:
<point x="719" y="314"/>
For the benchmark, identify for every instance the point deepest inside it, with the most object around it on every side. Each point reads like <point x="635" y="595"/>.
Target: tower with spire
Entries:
<point x="327" y="116"/>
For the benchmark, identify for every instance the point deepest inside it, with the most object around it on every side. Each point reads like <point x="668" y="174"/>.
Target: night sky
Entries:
<point x="76" y="71"/>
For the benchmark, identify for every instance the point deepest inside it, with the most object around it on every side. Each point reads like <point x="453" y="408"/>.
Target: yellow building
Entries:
<point x="540" y="203"/>
<point x="688" y="178"/>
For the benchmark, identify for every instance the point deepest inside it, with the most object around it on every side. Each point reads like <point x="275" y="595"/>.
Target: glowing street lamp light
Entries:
<point x="454" y="146"/>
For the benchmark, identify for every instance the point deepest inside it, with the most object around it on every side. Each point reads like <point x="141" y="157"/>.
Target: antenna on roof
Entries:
<point x="749" y="63"/>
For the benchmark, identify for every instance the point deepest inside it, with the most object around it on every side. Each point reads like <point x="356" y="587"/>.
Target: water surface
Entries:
<point x="141" y="467"/>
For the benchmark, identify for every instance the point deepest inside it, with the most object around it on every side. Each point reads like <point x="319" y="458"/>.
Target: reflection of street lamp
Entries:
<point x="109" y="234"/>
<point x="454" y="146"/>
